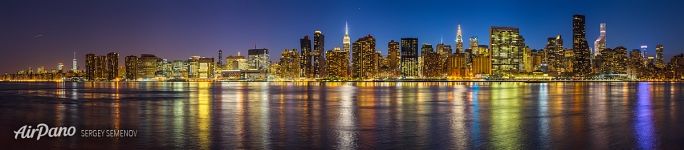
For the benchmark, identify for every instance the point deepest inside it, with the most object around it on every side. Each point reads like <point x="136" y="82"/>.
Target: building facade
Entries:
<point x="582" y="55"/>
<point x="409" y="57"/>
<point x="507" y="48"/>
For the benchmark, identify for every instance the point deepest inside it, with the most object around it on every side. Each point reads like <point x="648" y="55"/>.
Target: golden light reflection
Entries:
<point x="505" y="116"/>
<point x="204" y="113"/>
<point x="458" y="115"/>
<point x="346" y="138"/>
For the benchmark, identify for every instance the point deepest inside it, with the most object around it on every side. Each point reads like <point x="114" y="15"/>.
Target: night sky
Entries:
<point x="44" y="33"/>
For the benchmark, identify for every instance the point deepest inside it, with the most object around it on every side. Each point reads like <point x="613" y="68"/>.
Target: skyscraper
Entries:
<point x="443" y="50"/>
<point x="112" y="70"/>
<point x="147" y="66"/>
<point x="346" y="41"/>
<point x="635" y="63"/>
<point x="459" y="39"/>
<point x="96" y="67"/>
<point x="431" y="66"/>
<point x="220" y="59"/>
<point x="582" y="55"/>
<point x="393" y="57"/>
<point x="100" y="68"/>
<point x="338" y="62"/>
<point x="473" y="44"/>
<point x="318" y="54"/>
<point x="258" y="59"/>
<point x="409" y="57"/>
<point x="206" y="68"/>
<point x="74" y="65"/>
<point x="600" y="42"/>
<point x="660" y="61"/>
<point x="237" y="62"/>
<point x="363" y="60"/>
<point x="346" y="46"/>
<point x="131" y="63"/>
<point x="555" y="55"/>
<point x="306" y="57"/>
<point x="90" y="66"/>
<point x="289" y="64"/>
<point x="482" y="62"/>
<point x="506" y="45"/>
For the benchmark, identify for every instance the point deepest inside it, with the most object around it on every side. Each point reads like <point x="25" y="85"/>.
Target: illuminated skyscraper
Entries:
<point x="131" y="63"/>
<point x="582" y="56"/>
<point x="393" y="58"/>
<point x="258" y="59"/>
<point x="409" y="57"/>
<point x="635" y="63"/>
<point x="147" y="66"/>
<point x="100" y="68"/>
<point x="555" y="55"/>
<point x="457" y="65"/>
<point x="206" y="68"/>
<point x="613" y="60"/>
<point x="219" y="63"/>
<point x="443" y="50"/>
<point x="74" y="65"/>
<point x="660" y="61"/>
<point x="338" y="62"/>
<point x="569" y="61"/>
<point x="306" y="62"/>
<point x="644" y="48"/>
<point x="319" y="54"/>
<point x="112" y="69"/>
<point x="431" y="64"/>
<point x="506" y="45"/>
<point x="289" y="64"/>
<point x="459" y="39"/>
<point x="600" y="42"/>
<point x="473" y="44"/>
<point x="363" y="61"/>
<point x="527" y="60"/>
<point x="238" y="62"/>
<point x="346" y="41"/>
<point x="538" y="60"/>
<point x="96" y="67"/>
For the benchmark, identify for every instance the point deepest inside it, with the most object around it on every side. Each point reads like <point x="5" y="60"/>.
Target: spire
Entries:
<point x="459" y="39"/>
<point x="346" y="28"/>
<point x="459" y="34"/>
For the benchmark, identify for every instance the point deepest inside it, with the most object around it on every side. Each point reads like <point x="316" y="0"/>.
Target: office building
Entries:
<point x="112" y="69"/>
<point x="580" y="47"/>
<point x="131" y="63"/>
<point x="318" y="55"/>
<point x="306" y="62"/>
<point x="507" y="49"/>
<point x="258" y="59"/>
<point x="363" y="60"/>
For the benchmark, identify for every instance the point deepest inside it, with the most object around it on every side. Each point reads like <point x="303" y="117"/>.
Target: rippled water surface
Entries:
<point x="360" y="115"/>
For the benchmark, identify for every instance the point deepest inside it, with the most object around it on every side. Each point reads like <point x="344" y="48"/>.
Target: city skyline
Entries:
<point x="332" y="26"/>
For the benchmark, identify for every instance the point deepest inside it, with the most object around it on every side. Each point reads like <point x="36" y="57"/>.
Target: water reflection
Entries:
<point x="644" y="117"/>
<point x="359" y="115"/>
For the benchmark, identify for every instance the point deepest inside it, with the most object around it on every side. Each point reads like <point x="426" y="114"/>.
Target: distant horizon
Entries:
<point x="178" y="30"/>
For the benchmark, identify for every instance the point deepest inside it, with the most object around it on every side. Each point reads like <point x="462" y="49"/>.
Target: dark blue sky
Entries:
<point x="35" y="33"/>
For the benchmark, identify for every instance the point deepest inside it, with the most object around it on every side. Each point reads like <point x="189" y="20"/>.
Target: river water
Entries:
<point x="350" y="115"/>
